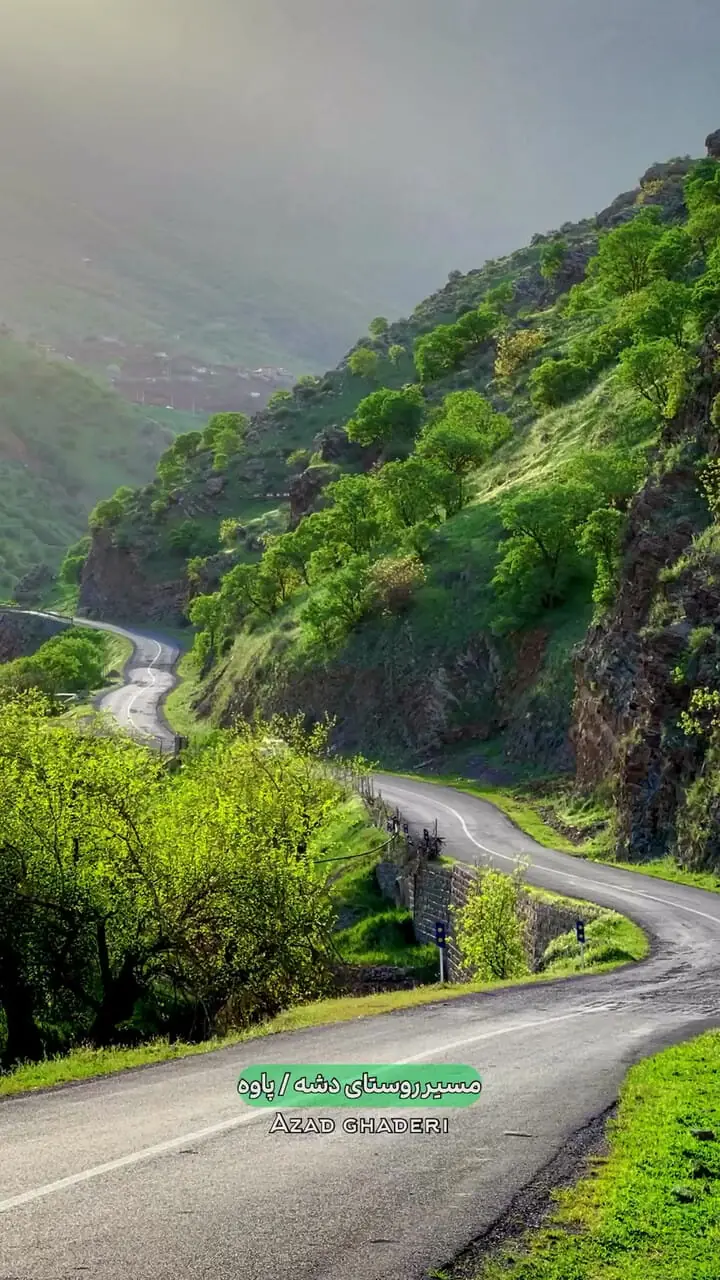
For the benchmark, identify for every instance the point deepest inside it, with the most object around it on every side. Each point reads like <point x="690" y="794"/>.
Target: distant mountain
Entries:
<point x="65" y="442"/>
<point x="72" y="269"/>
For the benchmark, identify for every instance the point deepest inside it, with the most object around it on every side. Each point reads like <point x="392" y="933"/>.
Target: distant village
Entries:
<point x="145" y="375"/>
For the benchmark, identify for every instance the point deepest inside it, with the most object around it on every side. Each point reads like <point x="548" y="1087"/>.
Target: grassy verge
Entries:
<point x="650" y="1210"/>
<point x="522" y="809"/>
<point x="118" y="652"/>
<point x="178" y="708"/>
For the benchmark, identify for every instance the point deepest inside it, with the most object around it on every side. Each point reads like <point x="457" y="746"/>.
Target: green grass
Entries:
<point x="650" y="1209"/>
<point x="118" y="652"/>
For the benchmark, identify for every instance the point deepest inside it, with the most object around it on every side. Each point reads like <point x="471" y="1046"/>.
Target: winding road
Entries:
<point x="162" y="1172"/>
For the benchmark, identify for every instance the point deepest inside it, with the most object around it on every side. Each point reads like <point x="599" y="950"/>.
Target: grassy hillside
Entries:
<point x="469" y="492"/>
<point x="65" y="442"/>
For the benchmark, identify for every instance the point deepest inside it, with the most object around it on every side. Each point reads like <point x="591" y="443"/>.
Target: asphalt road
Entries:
<point x="149" y="676"/>
<point x="163" y="1172"/>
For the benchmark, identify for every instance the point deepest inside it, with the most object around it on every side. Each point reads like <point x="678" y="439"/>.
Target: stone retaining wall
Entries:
<point x="430" y="890"/>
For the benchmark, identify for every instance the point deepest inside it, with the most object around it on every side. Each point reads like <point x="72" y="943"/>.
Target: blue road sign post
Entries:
<point x="580" y="934"/>
<point x="440" y="941"/>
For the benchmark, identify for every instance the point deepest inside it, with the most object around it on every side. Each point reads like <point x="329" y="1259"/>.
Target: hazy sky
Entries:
<point x="381" y="140"/>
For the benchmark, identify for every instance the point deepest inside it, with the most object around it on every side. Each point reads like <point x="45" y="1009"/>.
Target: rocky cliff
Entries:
<point x="22" y="634"/>
<point x="636" y="671"/>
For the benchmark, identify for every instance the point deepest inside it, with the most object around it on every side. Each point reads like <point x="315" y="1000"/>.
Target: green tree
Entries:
<point x="538" y="555"/>
<point x="489" y="931"/>
<point x="623" y="261"/>
<point x="672" y="255"/>
<point x="660" y="372"/>
<point x="554" y="382"/>
<point x="75" y="557"/>
<point x="413" y="491"/>
<point x="378" y="327"/>
<point x="173" y="465"/>
<point x="364" y="363"/>
<point x="108" y="513"/>
<point x="465" y="435"/>
<point x="354" y="521"/>
<point x="279" y="399"/>
<point x="387" y="415"/>
<point x="475" y="327"/>
<point x="396" y="353"/>
<point x="552" y="258"/>
<point x="600" y="538"/>
<point x="438" y="352"/>
<point x="658" y="311"/>
<point x="334" y="611"/>
<point x="225" y="436"/>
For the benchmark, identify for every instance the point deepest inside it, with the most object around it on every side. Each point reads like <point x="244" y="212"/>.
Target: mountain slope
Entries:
<point x="65" y="442"/>
<point x="576" y="382"/>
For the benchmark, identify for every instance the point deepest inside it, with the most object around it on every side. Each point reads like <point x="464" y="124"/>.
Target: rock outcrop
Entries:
<point x="22" y="634"/>
<point x="712" y="143"/>
<point x="114" y="585"/>
<point x="637" y="669"/>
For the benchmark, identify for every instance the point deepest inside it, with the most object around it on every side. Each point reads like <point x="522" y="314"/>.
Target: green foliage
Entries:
<point x="539" y="554"/>
<point x="659" y="371"/>
<point x="489" y="931"/>
<point x="138" y="901"/>
<point x="107" y="514"/>
<point x="279" y="399"/>
<point x="672" y="255"/>
<point x="396" y="353"/>
<point x="71" y="662"/>
<point x="224" y="436"/>
<point x="463" y="437"/>
<point x="394" y="580"/>
<point x="192" y="538"/>
<point x="332" y="613"/>
<point x="552" y="258"/>
<point x="439" y="352"/>
<point x="378" y="327"/>
<point x="75" y="557"/>
<point x="387" y="415"/>
<point x="413" y="491"/>
<point x="658" y="311"/>
<point x="515" y="349"/>
<point x="554" y="382"/>
<point x="600" y="537"/>
<point x="623" y="262"/>
<point x="172" y="467"/>
<point x="364" y="363"/>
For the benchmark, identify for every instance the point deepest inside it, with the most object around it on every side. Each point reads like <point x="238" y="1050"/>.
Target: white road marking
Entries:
<point x="223" y="1126"/>
<point x="564" y="875"/>
<point x="153" y="681"/>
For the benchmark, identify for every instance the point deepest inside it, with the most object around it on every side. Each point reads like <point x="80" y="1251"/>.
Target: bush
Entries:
<point x="554" y="382"/>
<point x="489" y="932"/>
<point x="515" y="349"/>
<point x="394" y="581"/>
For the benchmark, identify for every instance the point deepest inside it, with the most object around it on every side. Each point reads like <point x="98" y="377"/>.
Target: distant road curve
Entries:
<point x="149" y="677"/>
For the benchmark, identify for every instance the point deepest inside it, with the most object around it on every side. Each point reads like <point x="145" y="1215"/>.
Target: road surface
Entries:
<point x="149" y="676"/>
<point x="164" y="1173"/>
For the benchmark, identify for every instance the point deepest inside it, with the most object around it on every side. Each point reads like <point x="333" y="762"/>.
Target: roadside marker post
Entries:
<point x="441" y="943"/>
<point x="580" y="934"/>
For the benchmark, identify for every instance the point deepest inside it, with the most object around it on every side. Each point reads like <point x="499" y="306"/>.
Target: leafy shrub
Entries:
<point x="554" y="382"/>
<point x="515" y="349"/>
<point x="394" y="581"/>
<point x="489" y="932"/>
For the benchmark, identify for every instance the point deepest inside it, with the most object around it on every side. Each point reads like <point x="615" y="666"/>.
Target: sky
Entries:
<point x="376" y="143"/>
